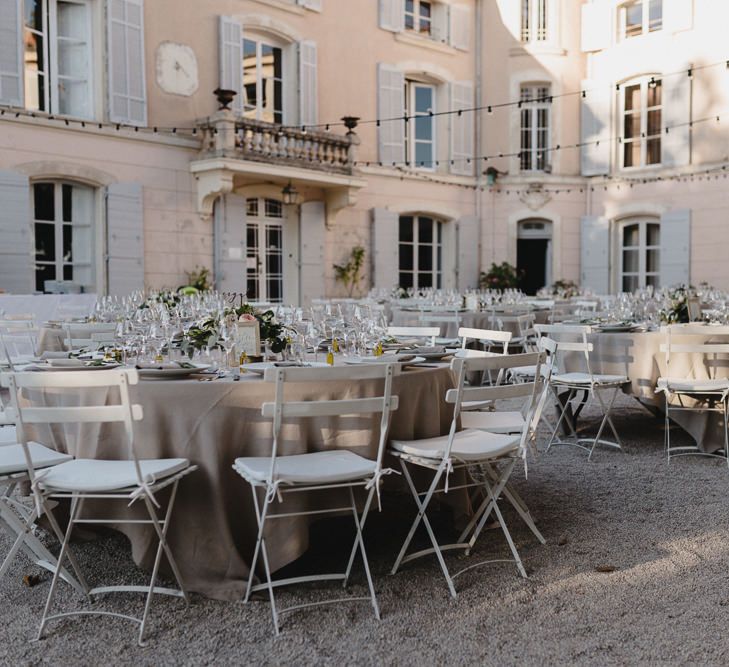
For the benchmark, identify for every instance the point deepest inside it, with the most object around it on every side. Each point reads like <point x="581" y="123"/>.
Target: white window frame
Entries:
<point x="256" y="214"/>
<point x="259" y="40"/>
<point x="645" y="83"/>
<point x="642" y="248"/>
<point x="539" y="100"/>
<point x="645" y="18"/>
<point x="410" y="141"/>
<point x="417" y="18"/>
<point x="437" y="234"/>
<point x="535" y="21"/>
<point x="58" y="223"/>
<point x="50" y="102"/>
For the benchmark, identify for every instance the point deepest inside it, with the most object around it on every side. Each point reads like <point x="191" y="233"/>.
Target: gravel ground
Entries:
<point x="634" y="572"/>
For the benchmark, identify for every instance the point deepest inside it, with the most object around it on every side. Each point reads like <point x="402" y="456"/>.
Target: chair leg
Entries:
<point x="491" y="498"/>
<point x="162" y="546"/>
<point x="261" y="549"/>
<point x="422" y="516"/>
<point x="353" y="553"/>
<point x="359" y="540"/>
<point x="507" y="535"/>
<point x="605" y="420"/>
<point x="71" y="557"/>
<point x="561" y="416"/>
<point x="76" y="504"/>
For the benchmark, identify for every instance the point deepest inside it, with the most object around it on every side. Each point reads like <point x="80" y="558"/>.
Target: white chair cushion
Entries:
<point x="527" y="371"/>
<point x="494" y="422"/>
<point x="338" y="465"/>
<point x="8" y="435"/>
<point x="584" y="378"/>
<point x="693" y="385"/>
<point x="91" y="475"/>
<point x="476" y="405"/>
<point x="12" y="458"/>
<point x="469" y="445"/>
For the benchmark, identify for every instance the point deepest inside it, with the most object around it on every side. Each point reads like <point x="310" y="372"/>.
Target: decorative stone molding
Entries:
<point x="66" y="170"/>
<point x="535" y="197"/>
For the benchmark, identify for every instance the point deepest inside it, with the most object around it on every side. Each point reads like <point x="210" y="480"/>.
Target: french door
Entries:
<point x="264" y="255"/>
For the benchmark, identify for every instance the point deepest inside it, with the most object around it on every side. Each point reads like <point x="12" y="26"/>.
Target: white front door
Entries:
<point x="265" y="251"/>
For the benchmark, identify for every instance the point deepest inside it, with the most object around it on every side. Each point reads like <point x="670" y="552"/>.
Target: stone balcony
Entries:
<point x="236" y="151"/>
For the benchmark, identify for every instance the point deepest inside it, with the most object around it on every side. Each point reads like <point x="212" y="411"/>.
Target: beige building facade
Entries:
<point x="119" y="171"/>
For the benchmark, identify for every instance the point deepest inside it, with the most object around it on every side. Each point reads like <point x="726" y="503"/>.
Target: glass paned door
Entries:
<point x="264" y="255"/>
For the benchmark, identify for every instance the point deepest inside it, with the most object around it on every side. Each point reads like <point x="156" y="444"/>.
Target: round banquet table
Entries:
<point x="638" y="355"/>
<point x="211" y="423"/>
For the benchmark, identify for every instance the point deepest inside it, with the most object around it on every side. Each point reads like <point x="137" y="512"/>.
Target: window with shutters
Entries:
<point x="641" y="122"/>
<point x="534" y="20"/>
<point x="534" y="127"/>
<point x="426" y="18"/>
<point x="58" y="57"/>
<point x="640" y="248"/>
<point x="420" y="147"/>
<point x="420" y="252"/>
<point x="639" y="17"/>
<point x="263" y="79"/>
<point x="264" y="250"/>
<point x="63" y="233"/>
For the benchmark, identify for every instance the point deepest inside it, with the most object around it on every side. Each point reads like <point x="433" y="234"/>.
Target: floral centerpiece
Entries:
<point x="564" y="289"/>
<point x="675" y="308"/>
<point x="272" y="331"/>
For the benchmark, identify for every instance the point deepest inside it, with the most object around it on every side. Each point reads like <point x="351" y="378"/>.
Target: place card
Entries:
<point x="249" y="338"/>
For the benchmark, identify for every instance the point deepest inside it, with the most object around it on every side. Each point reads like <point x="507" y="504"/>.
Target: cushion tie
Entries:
<point x="375" y="482"/>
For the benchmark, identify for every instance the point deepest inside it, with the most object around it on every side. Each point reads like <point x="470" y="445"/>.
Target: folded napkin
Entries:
<point x="432" y="349"/>
<point x="55" y="355"/>
<point x="66" y="362"/>
<point x="158" y="366"/>
<point x="290" y="364"/>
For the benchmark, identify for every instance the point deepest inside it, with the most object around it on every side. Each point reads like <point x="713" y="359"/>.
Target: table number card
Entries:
<point x="249" y="338"/>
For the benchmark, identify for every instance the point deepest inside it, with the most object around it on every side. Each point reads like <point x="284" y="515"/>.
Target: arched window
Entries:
<point x="420" y="252"/>
<point x="63" y="215"/>
<point x="640" y="243"/>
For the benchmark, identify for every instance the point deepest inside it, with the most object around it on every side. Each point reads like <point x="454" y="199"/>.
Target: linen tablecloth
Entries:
<point x="213" y="529"/>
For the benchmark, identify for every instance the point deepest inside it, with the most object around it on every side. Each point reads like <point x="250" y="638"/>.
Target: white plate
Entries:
<point x="170" y="373"/>
<point x="385" y="359"/>
<point x="616" y="328"/>
<point x="48" y="367"/>
<point x="259" y="367"/>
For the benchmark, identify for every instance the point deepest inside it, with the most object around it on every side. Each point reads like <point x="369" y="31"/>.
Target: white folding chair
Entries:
<point x="280" y="475"/>
<point x="689" y="394"/>
<point x="77" y="480"/>
<point x="431" y="333"/>
<point x="484" y="340"/>
<point x="19" y="342"/>
<point x="496" y="453"/>
<point x="522" y="328"/>
<point x="17" y="518"/>
<point x="586" y="381"/>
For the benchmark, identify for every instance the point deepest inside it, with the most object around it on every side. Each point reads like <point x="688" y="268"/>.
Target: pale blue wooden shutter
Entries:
<point x="595" y="254"/>
<point x="385" y="239"/>
<point x="675" y="259"/>
<point x="16" y="259"/>
<point x="391" y="104"/>
<point x="308" y="100"/>
<point x="392" y="15"/>
<point x="676" y="96"/>
<point x="126" y="74"/>
<point x="11" y="53"/>
<point x="461" y="128"/>
<point x="231" y="244"/>
<point x="468" y="252"/>
<point x="313" y="236"/>
<point x="124" y="238"/>
<point x="231" y="59"/>
<point x="595" y="128"/>
<point x="460" y="27"/>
